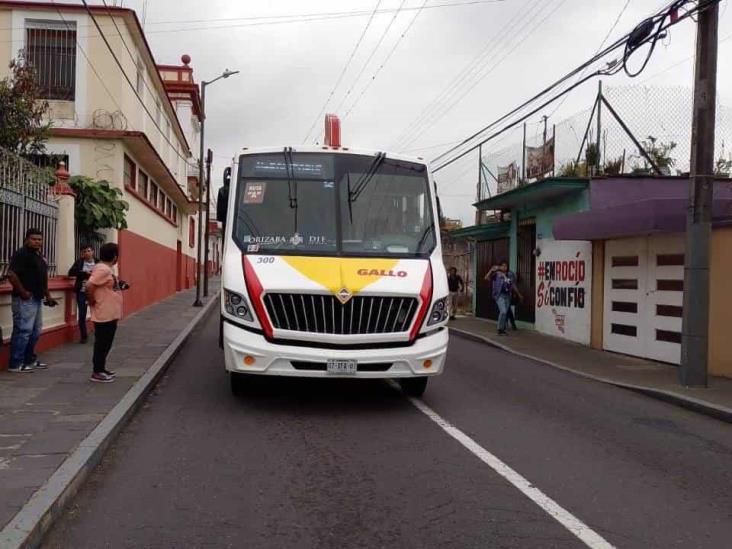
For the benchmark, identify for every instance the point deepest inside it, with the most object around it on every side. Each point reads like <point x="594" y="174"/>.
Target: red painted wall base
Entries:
<point x="150" y="269"/>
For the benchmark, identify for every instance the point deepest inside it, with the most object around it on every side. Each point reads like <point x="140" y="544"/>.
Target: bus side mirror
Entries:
<point x="222" y="203"/>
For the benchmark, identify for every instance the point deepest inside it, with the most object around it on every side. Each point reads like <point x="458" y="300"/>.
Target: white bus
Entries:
<point x="333" y="268"/>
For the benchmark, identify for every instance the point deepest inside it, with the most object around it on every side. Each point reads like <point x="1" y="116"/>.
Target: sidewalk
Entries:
<point x="652" y="378"/>
<point x="45" y="415"/>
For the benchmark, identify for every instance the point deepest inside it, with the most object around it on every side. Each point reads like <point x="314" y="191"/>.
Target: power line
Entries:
<point x="285" y="19"/>
<point x="602" y="44"/>
<point x="88" y="61"/>
<point x="618" y="44"/>
<point x="386" y="60"/>
<point x="129" y="52"/>
<point x="638" y="40"/>
<point x="343" y="72"/>
<point x="354" y="13"/>
<point x="480" y="77"/>
<point x="132" y="87"/>
<point x="371" y="55"/>
<point x="433" y="107"/>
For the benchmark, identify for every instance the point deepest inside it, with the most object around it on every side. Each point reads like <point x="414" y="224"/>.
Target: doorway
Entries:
<point x="526" y="269"/>
<point x="488" y="253"/>
<point x="179" y="266"/>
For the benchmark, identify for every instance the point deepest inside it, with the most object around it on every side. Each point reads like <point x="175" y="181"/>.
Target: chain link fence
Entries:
<point x="659" y="119"/>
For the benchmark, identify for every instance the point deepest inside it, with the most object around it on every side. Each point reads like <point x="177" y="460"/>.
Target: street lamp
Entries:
<point x="225" y="74"/>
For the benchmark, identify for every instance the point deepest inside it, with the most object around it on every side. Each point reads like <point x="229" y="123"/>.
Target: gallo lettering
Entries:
<point x="381" y="272"/>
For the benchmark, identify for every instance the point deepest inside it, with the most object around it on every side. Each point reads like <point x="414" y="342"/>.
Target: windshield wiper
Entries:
<point x="350" y="202"/>
<point x="291" y="181"/>
<point x="367" y="177"/>
<point x="425" y="234"/>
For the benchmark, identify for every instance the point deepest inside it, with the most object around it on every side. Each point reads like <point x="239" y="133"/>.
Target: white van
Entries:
<point x="333" y="267"/>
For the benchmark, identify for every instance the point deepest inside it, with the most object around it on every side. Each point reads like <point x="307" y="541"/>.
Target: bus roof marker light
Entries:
<point x="332" y="131"/>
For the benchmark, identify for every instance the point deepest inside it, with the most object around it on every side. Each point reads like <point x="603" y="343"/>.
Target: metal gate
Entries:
<point x="526" y="269"/>
<point x="26" y="201"/>
<point x="488" y="253"/>
<point x="644" y="294"/>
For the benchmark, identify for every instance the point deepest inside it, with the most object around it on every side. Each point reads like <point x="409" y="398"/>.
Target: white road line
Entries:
<point x="586" y="534"/>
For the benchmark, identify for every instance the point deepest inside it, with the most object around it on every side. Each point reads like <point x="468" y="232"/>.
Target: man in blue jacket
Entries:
<point x="503" y="288"/>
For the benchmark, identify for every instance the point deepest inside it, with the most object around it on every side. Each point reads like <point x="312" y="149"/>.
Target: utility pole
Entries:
<point x="695" y="330"/>
<point x="545" y="118"/>
<point x="207" y="232"/>
<point x="480" y="182"/>
<point x="201" y="183"/>
<point x="599" y="127"/>
<point x="226" y="74"/>
<point x="523" y="156"/>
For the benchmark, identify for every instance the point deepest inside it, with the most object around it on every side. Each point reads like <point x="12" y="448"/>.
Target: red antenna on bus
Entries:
<point x="332" y="130"/>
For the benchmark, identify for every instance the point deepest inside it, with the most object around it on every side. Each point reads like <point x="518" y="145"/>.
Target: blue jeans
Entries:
<point x="27" y="323"/>
<point x="504" y="304"/>
<point x="81" y="310"/>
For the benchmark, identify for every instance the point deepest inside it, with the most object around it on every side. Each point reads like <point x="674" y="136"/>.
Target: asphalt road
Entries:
<point x="326" y="463"/>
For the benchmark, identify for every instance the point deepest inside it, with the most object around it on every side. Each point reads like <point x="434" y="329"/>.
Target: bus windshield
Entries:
<point x="333" y="204"/>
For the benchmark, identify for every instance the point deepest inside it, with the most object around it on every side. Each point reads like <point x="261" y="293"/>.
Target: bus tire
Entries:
<point x="238" y="383"/>
<point x="413" y="386"/>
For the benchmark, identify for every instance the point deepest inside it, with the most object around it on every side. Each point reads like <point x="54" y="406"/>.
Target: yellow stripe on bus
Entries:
<point x="336" y="273"/>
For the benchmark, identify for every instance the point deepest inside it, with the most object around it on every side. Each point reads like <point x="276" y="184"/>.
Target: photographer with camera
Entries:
<point x="28" y="274"/>
<point x="104" y="296"/>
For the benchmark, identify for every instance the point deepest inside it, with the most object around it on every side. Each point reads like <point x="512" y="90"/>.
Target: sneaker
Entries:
<point x="101" y="377"/>
<point x="23" y="369"/>
<point x="501" y="332"/>
<point x="39" y="365"/>
<point x="110" y="373"/>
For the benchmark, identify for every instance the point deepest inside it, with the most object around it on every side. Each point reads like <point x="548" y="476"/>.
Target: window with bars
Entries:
<point x="154" y="195"/>
<point x="143" y="184"/>
<point x="130" y="173"/>
<point x="51" y="51"/>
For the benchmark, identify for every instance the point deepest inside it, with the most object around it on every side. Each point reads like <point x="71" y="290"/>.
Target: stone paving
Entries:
<point x="46" y="414"/>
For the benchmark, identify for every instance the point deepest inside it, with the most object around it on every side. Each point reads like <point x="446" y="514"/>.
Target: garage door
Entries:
<point x="644" y="290"/>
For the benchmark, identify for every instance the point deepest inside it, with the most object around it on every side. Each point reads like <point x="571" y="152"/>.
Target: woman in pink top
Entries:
<point x="103" y="292"/>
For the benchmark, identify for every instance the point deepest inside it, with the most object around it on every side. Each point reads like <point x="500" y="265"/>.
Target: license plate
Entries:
<point x="342" y="366"/>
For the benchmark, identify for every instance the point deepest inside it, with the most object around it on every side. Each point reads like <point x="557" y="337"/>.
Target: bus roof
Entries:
<point x="334" y="150"/>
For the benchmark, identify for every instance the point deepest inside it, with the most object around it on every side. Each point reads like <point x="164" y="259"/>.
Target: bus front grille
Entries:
<point x="324" y="314"/>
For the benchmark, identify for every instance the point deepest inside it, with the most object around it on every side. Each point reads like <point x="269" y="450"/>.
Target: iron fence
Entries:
<point x="26" y="201"/>
<point x="83" y="238"/>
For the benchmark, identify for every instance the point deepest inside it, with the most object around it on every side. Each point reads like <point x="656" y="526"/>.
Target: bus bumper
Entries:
<point x="426" y="357"/>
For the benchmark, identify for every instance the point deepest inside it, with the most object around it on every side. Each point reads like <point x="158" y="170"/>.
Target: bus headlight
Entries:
<point x="237" y="305"/>
<point x="439" y="312"/>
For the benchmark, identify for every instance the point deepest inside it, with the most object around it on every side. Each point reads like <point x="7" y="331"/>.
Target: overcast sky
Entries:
<point x="289" y="69"/>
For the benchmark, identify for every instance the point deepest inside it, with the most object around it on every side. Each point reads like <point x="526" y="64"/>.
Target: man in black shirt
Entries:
<point x="28" y="274"/>
<point x="455" y="284"/>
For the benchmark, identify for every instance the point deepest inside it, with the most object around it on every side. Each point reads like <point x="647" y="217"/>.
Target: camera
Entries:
<point x="123" y="285"/>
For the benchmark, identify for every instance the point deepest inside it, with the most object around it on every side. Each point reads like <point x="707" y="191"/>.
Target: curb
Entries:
<point x="31" y="523"/>
<point x="696" y="405"/>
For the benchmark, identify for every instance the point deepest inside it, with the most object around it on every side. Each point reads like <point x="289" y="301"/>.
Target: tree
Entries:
<point x="98" y="205"/>
<point x="660" y="153"/>
<point x="24" y="128"/>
